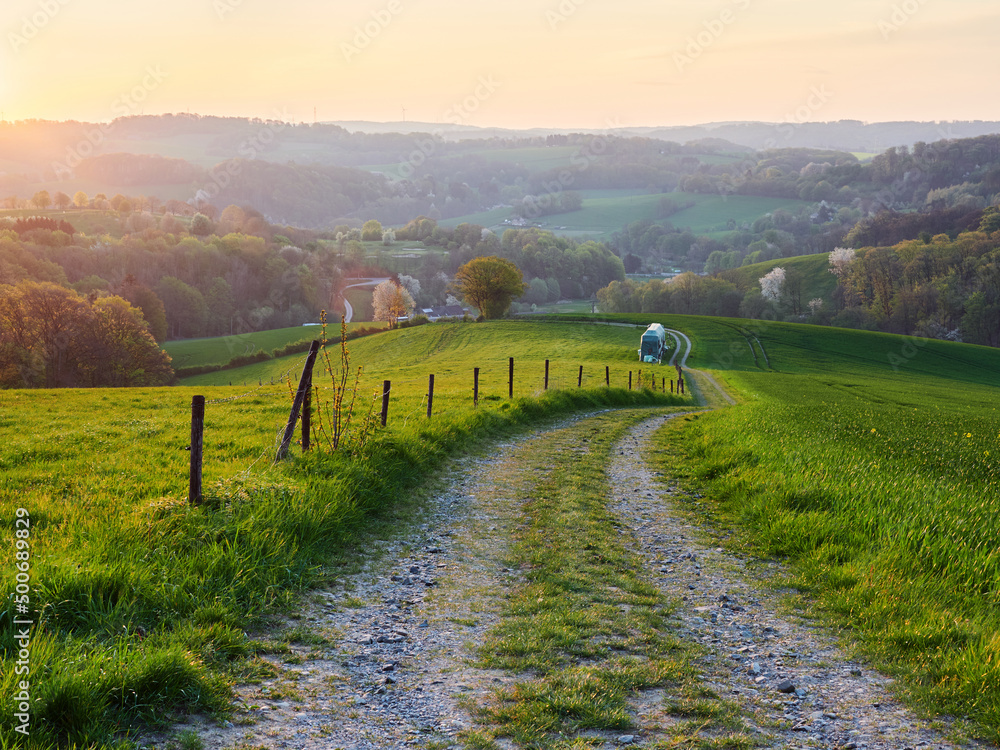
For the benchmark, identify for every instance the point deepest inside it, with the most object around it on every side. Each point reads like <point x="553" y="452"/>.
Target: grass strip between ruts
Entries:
<point x="587" y="631"/>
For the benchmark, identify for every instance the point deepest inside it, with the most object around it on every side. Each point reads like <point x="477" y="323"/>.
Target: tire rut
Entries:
<point x="794" y="684"/>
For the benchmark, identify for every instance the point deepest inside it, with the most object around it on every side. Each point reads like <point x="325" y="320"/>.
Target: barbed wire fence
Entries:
<point x="301" y="397"/>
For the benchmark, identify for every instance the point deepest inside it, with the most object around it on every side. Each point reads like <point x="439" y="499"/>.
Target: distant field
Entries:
<point x="819" y="282"/>
<point x="361" y="302"/>
<point x="535" y="159"/>
<point x="193" y="147"/>
<point x="602" y="216"/>
<point x="490" y="219"/>
<point x="86" y="220"/>
<point x="608" y="211"/>
<point x="220" y="350"/>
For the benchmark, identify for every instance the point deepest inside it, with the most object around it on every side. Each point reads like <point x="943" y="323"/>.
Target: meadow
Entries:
<point x="607" y="211"/>
<point x="143" y="601"/>
<point x="815" y="269"/>
<point x="867" y="461"/>
<point x="870" y="462"/>
<point x="220" y="350"/>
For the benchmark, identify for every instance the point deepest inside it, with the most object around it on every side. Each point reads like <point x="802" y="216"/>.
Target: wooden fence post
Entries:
<point x="546" y="374"/>
<point x="630" y="380"/>
<point x="680" y="383"/>
<point x="430" y="395"/>
<point x="475" y="388"/>
<point x="386" y="387"/>
<point x="510" y="387"/>
<point x="300" y="396"/>
<point x="197" y="444"/>
<point x="664" y="389"/>
<point x="607" y="375"/>
<point x="579" y="378"/>
<point x="307" y="416"/>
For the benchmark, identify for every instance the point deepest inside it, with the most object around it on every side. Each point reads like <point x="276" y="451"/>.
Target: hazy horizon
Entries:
<point x="560" y="64"/>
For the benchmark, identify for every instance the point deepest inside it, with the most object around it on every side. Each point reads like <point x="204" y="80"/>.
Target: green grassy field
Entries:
<point x="220" y="350"/>
<point x="451" y="351"/>
<point x="608" y="211"/>
<point x="871" y="462"/>
<point x="142" y="600"/>
<point x="818" y="281"/>
<point x="868" y="461"/>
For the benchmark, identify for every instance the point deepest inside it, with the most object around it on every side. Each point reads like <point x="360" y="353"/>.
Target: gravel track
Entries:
<point x="397" y="667"/>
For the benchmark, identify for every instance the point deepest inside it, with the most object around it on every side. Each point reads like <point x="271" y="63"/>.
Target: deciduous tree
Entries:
<point x="490" y="284"/>
<point x="41" y="199"/>
<point x="391" y="301"/>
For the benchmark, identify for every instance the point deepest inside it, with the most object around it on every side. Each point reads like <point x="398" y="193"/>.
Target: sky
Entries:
<point x="502" y="63"/>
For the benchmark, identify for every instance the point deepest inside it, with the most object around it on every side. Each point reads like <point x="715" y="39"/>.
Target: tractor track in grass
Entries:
<point x="388" y="658"/>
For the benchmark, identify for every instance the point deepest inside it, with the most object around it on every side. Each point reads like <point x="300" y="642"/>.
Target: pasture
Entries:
<point x="868" y="462"/>
<point x="142" y="601"/>
<point x="221" y="349"/>
<point x="607" y="211"/>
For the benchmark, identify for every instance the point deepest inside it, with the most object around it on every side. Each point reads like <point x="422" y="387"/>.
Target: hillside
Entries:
<point x="817" y="281"/>
<point x="834" y="458"/>
<point x="665" y="203"/>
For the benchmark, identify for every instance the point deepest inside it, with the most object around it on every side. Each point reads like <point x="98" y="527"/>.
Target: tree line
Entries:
<point x="53" y="337"/>
<point x="932" y="286"/>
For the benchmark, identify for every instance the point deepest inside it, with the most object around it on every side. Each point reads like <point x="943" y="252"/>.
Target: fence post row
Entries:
<point x="300" y="396"/>
<point x="197" y="444"/>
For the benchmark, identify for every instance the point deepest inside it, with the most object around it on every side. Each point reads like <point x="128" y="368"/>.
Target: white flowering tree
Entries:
<point x="840" y="259"/>
<point x="411" y="285"/>
<point x="771" y="284"/>
<point x="391" y="301"/>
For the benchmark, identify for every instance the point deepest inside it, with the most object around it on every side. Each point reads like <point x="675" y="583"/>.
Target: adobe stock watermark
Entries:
<point x="899" y="17"/>
<point x="910" y="349"/>
<point x="560" y="14"/>
<point x="224" y="7"/>
<point x="703" y="40"/>
<point x="22" y="621"/>
<point x="222" y="175"/>
<point x="581" y="159"/>
<point x="457" y="114"/>
<point x="366" y="33"/>
<point x="817" y="98"/>
<point x="126" y="103"/>
<point x="32" y="25"/>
